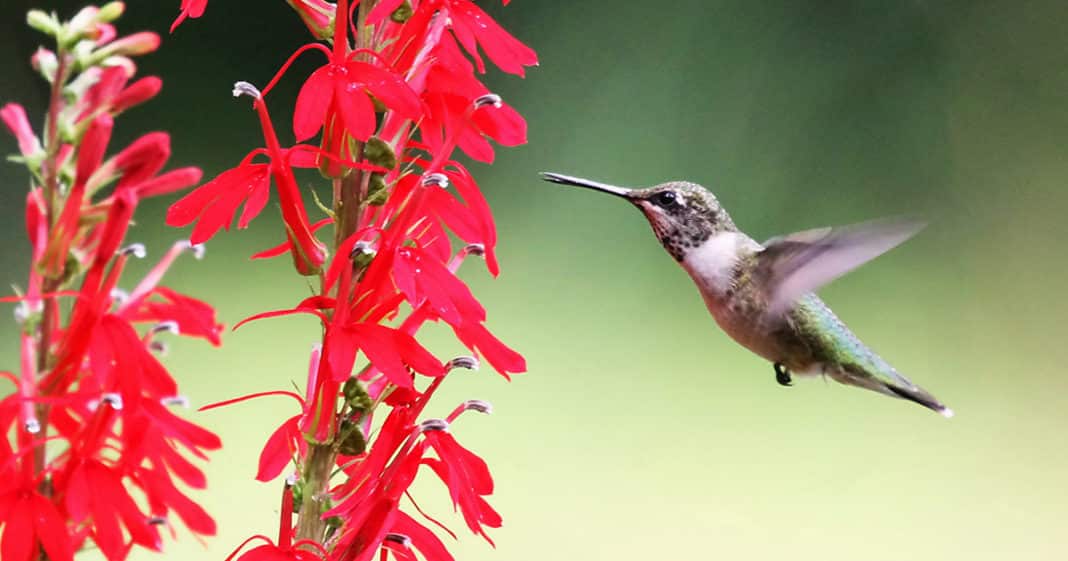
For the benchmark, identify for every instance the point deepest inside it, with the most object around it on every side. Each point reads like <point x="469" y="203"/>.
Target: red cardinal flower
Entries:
<point x="190" y="9"/>
<point x="14" y="116"/>
<point x="31" y="523"/>
<point x="338" y="94"/>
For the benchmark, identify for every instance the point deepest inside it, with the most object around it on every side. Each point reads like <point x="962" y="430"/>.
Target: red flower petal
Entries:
<point x="313" y="102"/>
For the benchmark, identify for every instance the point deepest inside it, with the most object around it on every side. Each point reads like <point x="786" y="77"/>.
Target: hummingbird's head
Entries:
<point x="683" y="214"/>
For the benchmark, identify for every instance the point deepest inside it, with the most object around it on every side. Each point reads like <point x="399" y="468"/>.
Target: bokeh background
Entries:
<point x="641" y="431"/>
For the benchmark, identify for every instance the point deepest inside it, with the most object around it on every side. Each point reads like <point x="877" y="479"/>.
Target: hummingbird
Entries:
<point x="762" y="294"/>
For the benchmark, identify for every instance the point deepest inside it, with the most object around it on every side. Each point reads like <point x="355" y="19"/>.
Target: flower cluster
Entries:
<point x="381" y="120"/>
<point x="91" y="450"/>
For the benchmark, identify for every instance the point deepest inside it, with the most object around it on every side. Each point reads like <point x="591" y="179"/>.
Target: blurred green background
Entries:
<point x="641" y="431"/>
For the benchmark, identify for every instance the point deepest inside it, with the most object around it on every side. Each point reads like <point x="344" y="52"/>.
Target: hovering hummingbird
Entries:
<point x="762" y="294"/>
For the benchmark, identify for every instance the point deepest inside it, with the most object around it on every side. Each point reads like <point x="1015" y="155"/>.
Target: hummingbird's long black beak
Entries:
<point x="579" y="182"/>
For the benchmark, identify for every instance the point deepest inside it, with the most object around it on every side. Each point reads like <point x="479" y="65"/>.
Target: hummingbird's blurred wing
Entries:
<point x="802" y="262"/>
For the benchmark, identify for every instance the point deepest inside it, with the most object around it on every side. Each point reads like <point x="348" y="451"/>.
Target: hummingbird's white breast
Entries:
<point x="713" y="267"/>
<point x="711" y="264"/>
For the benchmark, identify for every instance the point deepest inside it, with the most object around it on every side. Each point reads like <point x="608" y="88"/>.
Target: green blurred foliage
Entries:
<point x="641" y="431"/>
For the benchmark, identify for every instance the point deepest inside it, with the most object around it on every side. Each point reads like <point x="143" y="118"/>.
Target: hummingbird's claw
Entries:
<point x="782" y="375"/>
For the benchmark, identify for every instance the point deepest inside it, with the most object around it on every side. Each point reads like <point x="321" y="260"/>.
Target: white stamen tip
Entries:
<point x="175" y="400"/>
<point x="362" y="247"/>
<point x="476" y="249"/>
<point x="169" y="326"/>
<point x="466" y="362"/>
<point x="22" y="313"/>
<point x="112" y="399"/>
<point x="488" y="99"/>
<point x="400" y="539"/>
<point x="245" y="88"/>
<point x="437" y="179"/>
<point x="947" y="412"/>
<point x="119" y="295"/>
<point x="32" y="426"/>
<point x="433" y="425"/>
<point x="483" y="407"/>
<point x="197" y="249"/>
<point x="136" y="249"/>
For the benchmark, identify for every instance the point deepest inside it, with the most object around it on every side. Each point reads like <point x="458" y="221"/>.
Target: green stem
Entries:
<point x="317" y="469"/>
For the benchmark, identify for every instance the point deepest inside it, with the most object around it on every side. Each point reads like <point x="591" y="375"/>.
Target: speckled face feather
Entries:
<point x="683" y="215"/>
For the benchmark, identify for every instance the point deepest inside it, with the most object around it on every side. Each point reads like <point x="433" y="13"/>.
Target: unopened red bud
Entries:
<point x="14" y="116"/>
<point x="174" y="180"/>
<point x="137" y="44"/>
<point x="137" y="93"/>
<point x="45" y="63"/>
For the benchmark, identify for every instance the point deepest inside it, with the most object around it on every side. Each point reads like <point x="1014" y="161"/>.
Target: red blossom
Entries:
<point x="393" y="104"/>
<point x="189" y="9"/>
<point x="14" y="116"/>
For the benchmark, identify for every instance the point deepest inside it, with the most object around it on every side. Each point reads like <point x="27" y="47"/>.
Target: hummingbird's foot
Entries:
<point x="782" y="375"/>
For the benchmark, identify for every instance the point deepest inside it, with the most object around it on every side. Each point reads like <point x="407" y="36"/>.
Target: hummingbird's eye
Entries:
<point x="666" y="199"/>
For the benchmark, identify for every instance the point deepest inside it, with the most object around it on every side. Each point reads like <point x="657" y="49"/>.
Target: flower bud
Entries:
<point x="137" y="44"/>
<point x="45" y="63"/>
<point x="83" y="24"/>
<point x="352" y="442"/>
<point x="110" y="12"/>
<point x="379" y="153"/>
<point x="356" y="395"/>
<point x="43" y="22"/>
<point x="402" y="13"/>
<point x="377" y="193"/>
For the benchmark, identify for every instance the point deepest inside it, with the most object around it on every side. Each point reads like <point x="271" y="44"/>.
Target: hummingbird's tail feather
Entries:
<point x="893" y="385"/>
<point x="916" y="394"/>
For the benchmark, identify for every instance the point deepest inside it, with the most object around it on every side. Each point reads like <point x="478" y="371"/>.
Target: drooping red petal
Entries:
<point x="313" y="102"/>
<point x="278" y="452"/>
<point x="356" y="110"/>
<point x="388" y="87"/>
